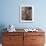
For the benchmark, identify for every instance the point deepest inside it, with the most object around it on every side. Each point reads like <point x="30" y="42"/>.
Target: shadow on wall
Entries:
<point x="2" y="27"/>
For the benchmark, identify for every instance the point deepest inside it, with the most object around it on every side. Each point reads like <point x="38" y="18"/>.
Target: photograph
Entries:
<point x="26" y="13"/>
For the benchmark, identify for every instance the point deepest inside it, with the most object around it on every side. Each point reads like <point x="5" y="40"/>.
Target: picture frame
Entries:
<point x="26" y="13"/>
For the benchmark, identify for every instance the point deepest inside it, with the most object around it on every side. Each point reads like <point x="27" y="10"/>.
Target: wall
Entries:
<point x="10" y="13"/>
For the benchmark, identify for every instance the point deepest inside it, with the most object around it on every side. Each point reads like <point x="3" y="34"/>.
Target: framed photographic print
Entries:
<point x="26" y="13"/>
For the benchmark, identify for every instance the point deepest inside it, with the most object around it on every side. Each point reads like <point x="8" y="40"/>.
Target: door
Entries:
<point x="13" y="40"/>
<point x="27" y="39"/>
<point x="37" y="40"/>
